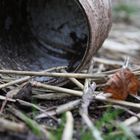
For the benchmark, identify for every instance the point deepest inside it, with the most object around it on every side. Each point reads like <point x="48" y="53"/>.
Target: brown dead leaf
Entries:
<point x="121" y="84"/>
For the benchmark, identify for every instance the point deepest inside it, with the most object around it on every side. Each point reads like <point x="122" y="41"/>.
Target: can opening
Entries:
<point x="39" y="34"/>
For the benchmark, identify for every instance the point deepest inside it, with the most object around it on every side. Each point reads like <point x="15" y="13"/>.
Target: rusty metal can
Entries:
<point x="37" y="35"/>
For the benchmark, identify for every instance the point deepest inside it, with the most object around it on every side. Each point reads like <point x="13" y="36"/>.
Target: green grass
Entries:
<point x="108" y="126"/>
<point x="86" y="136"/>
<point x="58" y="133"/>
<point x="128" y="9"/>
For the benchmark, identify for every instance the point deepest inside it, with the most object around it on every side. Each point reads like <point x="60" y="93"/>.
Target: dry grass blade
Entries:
<point x="68" y="130"/>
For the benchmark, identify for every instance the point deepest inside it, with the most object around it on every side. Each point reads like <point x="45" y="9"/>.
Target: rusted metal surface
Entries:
<point x="98" y="13"/>
<point x="36" y="35"/>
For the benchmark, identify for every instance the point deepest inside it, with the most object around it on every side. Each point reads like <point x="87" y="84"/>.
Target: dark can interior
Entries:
<point x="39" y="34"/>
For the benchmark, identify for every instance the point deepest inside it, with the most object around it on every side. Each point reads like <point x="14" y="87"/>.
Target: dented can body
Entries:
<point x="99" y="18"/>
<point x="40" y="34"/>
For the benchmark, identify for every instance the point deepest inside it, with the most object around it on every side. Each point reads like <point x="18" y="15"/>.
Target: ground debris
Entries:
<point x="87" y="99"/>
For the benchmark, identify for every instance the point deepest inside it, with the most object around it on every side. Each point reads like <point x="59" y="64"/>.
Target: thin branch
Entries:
<point x="87" y="92"/>
<point x="18" y="81"/>
<point x="75" y="81"/>
<point x="27" y="104"/>
<point x="3" y="98"/>
<point x="126" y="110"/>
<point x="71" y="105"/>
<point x="55" y="88"/>
<point x="108" y="61"/>
<point x="53" y="74"/>
<point x="79" y="93"/>
<point x="51" y="96"/>
<point x="10" y="95"/>
<point x="60" y="109"/>
<point x="118" y="102"/>
<point x="131" y="120"/>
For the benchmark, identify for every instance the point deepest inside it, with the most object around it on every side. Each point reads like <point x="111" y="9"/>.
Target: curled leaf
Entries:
<point x="121" y="84"/>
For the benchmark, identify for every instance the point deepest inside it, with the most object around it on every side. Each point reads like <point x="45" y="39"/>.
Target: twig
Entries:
<point x="24" y="79"/>
<point x="24" y="103"/>
<point x="118" y="102"/>
<point x="75" y="81"/>
<point x="107" y="61"/>
<point x="55" y="88"/>
<point x="55" y="68"/>
<point x="18" y="81"/>
<point x="131" y="120"/>
<point x="87" y="92"/>
<point x="86" y="100"/>
<point x="127" y="110"/>
<point x="51" y="74"/>
<point x="51" y="96"/>
<point x="71" y="105"/>
<point x="79" y="93"/>
<point x="60" y="109"/>
<point x="120" y="107"/>
<point x="8" y="99"/>
<point x="68" y="131"/>
<point x="6" y="125"/>
<point x="10" y="95"/>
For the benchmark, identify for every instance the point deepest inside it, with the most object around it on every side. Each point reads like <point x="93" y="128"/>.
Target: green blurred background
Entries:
<point x="127" y="11"/>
